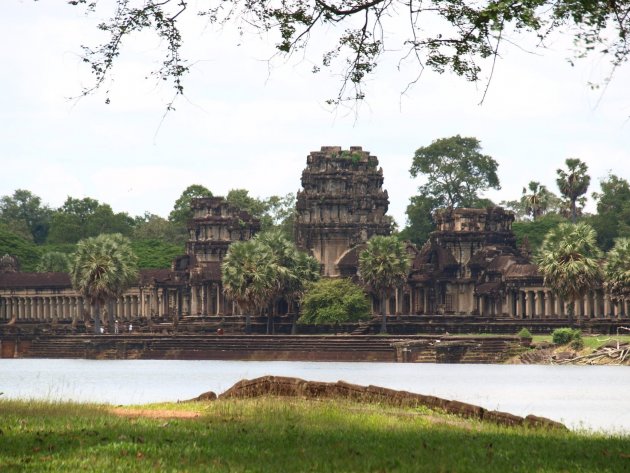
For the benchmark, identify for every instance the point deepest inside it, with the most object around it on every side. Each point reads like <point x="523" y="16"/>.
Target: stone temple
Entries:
<point x="342" y="204"/>
<point x="470" y="265"/>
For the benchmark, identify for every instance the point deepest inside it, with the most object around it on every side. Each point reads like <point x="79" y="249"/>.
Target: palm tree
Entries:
<point x="617" y="270"/>
<point x="285" y="273"/>
<point x="537" y="200"/>
<point x="103" y="268"/>
<point x="383" y="265"/>
<point x="573" y="183"/>
<point x="568" y="260"/>
<point x="249" y="276"/>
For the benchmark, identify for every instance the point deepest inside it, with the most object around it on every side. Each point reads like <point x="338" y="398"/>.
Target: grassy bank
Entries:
<point x="282" y="435"/>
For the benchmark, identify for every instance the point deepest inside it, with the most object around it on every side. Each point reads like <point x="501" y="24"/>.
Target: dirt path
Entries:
<point x="154" y="414"/>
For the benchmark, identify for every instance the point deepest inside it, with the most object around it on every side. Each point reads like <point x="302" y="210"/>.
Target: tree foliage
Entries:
<point x="613" y="211"/>
<point x="154" y="253"/>
<point x="154" y="227"/>
<point x="384" y="265"/>
<point x="617" y="270"/>
<point x="27" y="252"/>
<point x="260" y="271"/>
<point x="182" y="212"/>
<point x="77" y="219"/>
<point x="103" y="268"/>
<point x="53" y="261"/>
<point x="249" y="277"/>
<point x="573" y="183"/>
<point x="536" y="231"/>
<point x="25" y="214"/>
<point x="274" y="212"/>
<point x="456" y="171"/>
<point x="461" y="36"/>
<point x="331" y="301"/>
<point x="538" y="200"/>
<point x="419" y="219"/>
<point x="569" y="261"/>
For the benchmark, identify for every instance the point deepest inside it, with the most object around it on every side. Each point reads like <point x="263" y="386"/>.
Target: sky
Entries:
<point x="246" y="122"/>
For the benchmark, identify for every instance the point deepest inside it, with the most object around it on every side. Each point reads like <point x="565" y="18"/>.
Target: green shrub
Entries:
<point x="565" y="335"/>
<point x="577" y="343"/>
<point x="524" y="333"/>
<point x="331" y="301"/>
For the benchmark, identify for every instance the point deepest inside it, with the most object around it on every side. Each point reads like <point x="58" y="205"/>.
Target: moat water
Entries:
<point x="595" y="398"/>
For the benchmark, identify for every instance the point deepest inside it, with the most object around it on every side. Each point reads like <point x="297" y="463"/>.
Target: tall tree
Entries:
<point x="83" y="218"/>
<point x="103" y="268"/>
<point x="459" y="36"/>
<point x="568" y="260"/>
<point x="182" y="212"/>
<point x="249" y="276"/>
<point x="256" y="207"/>
<point x="384" y="265"/>
<point x="419" y="219"/>
<point x="573" y="183"/>
<point x="456" y="171"/>
<point x="154" y="227"/>
<point x="613" y="211"/>
<point x="294" y="269"/>
<point x="537" y="200"/>
<point x="617" y="270"/>
<point x="25" y="210"/>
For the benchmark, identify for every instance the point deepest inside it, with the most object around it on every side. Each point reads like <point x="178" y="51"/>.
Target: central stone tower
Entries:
<point x="341" y="204"/>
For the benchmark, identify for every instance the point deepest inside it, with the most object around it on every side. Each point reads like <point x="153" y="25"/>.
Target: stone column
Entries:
<point x="193" y="300"/>
<point x="54" y="312"/>
<point x="204" y="299"/>
<point x="35" y="312"/>
<point x="538" y="301"/>
<point x="548" y="302"/>
<point x="606" y="305"/>
<point x="596" y="304"/>
<point x="160" y="302"/>
<point x="425" y="300"/>
<point x="577" y="308"/>
<point x="528" y="306"/>
<point x="588" y="305"/>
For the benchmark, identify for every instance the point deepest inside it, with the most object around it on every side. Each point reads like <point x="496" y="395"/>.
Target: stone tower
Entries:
<point x="216" y="224"/>
<point x="341" y="204"/>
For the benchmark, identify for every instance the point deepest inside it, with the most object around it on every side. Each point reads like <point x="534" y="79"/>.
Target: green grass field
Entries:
<point x="286" y="435"/>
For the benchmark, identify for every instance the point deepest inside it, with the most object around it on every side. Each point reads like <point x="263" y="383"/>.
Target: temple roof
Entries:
<point x="518" y="271"/>
<point x="35" y="280"/>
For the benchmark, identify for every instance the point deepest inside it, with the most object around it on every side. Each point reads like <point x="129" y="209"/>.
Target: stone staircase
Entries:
<point x="276" y="347"/>
<point x="226" y="347"/>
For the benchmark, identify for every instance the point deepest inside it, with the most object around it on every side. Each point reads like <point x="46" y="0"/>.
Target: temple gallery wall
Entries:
<point x="470" y="264"/>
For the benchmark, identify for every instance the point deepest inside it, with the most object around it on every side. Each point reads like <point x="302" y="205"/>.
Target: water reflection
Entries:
<point x="580" y="396"/>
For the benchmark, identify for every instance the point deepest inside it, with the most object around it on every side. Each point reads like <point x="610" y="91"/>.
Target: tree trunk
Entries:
<point x="384" y="316"/>
<point x="97" y="318"/>
<point x="571" y="311"/>
<point x="110" y="315"/>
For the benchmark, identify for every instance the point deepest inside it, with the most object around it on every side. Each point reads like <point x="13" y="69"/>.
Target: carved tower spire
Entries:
<point x="341" y="203"/>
